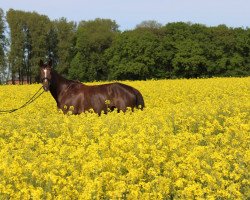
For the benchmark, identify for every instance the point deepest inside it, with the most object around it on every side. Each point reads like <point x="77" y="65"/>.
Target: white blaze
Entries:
<point x="45" y="75"/>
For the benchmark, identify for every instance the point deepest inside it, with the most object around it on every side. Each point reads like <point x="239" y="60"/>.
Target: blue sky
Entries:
<point x="129" y="13"/>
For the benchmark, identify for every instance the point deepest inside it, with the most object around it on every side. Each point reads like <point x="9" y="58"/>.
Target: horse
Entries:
<point x="72" y="95"/>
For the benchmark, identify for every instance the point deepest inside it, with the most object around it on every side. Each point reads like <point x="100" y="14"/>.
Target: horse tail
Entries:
<point x="139" y="100"/>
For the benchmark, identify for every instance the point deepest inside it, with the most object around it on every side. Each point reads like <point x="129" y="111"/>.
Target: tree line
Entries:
<point x="98" y="50"/>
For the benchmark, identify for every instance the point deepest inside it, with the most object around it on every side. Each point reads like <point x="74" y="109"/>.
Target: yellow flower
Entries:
<point x="190" y="142"/>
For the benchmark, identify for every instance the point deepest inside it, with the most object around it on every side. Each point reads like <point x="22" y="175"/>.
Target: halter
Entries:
<point x="45" y="78"/>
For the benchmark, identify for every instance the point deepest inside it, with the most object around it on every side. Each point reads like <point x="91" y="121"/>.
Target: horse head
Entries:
<point x="45" y="74"/>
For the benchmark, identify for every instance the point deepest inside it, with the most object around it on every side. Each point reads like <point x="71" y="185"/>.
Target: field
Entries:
<point x="191" y="141"/>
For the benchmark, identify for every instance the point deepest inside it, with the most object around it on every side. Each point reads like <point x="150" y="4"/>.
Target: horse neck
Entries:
<point x="58" y="84"/>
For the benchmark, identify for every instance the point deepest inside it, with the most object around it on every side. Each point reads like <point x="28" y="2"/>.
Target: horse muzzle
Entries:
<point x="46" y="84"/>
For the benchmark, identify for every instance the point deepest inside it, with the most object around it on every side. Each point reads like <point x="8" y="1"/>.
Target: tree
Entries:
<point x="136" y="55"/>
<point x="189" y="61"/>
<point x="187" y="43"/>
<point x="16" y="54"/>
<point x="226" y="54"/>
<point x="240" y="61"/>
<point x="64" y="47"/>
<point x="97" y="50"/>
<point x="93" y="38"/>
<point x="38" y="27"/>
<point x="3" y="43"/>
<point x="28" y="43"/>
<point x="151" y="24"/>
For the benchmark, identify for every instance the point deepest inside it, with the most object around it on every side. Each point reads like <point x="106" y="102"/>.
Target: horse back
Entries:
<point x="125" y="92"/>
<point x="102" y="97"/>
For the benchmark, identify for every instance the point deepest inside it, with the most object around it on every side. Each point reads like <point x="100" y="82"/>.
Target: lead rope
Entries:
<point x="32" y="99"/>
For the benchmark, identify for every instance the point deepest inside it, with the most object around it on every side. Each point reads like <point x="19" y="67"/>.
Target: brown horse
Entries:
<point x="76" y="97"/>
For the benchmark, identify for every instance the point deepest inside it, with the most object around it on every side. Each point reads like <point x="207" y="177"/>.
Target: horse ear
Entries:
<point x="41" y="63"/>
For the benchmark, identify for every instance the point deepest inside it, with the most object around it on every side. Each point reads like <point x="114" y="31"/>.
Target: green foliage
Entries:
<point x="3" y="44"/>
<point x="28" y="42"/>
<point x="64" y="47"/>
<point x="93" y="38"/>
<point x="2" y="37"/>
<point x="17" y="40"/>
<point x="151" y="24"/>
<point x="133" y="55"/>
<point x="189" y="61"/>
<point x="97" y="50"/>
<point x="77" y="65"/>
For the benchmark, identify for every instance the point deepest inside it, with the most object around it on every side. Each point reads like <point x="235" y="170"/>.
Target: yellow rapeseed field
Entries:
<point x="192" y="141"/>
